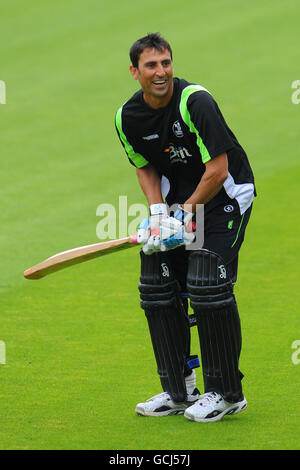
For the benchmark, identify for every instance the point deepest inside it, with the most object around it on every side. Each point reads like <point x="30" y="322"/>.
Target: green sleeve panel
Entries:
<point x="138" y="160"/>
<point x="185" y="114"/>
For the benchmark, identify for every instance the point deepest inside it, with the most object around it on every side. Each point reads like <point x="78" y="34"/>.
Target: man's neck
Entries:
<point x="157" y="102"/>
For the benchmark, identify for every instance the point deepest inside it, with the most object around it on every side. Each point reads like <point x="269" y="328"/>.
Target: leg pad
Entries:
<point x="213" y="301"/>
<point x="168" y="323"/>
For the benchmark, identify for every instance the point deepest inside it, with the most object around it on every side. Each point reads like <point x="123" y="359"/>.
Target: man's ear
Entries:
<point x="134" y="72"/>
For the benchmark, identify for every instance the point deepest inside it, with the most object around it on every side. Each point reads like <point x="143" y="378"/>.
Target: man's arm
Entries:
<point x="175" y="231"/>
<point x="171" y="233"/>
<point x="211" y="182"/>
<point x="149" y="229"/>
<point x="150" y="183"/>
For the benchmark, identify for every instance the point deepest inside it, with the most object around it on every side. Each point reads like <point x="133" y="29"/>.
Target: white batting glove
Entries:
<point x="175" y="231"/>
<point x="153" y="243"/>
<point x="143" y="233"/>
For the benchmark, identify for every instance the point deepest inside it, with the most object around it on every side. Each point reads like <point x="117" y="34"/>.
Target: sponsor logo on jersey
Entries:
<point x="177" y="153"/>
<point x="177" y="129"/>
<point x="229" y="208"/>
<point x="151" y="137"/>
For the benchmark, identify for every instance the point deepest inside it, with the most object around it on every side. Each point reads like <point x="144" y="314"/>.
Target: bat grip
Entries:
<point x="133" y="239"/>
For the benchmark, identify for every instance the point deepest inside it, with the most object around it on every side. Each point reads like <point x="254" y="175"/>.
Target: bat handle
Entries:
<point x="133" y="239"/>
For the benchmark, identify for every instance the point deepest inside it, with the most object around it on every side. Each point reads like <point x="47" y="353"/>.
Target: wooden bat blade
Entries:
<point x="78" y="255"/>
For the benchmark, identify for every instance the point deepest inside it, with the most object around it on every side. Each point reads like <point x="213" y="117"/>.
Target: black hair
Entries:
<point x="151" y="41"/>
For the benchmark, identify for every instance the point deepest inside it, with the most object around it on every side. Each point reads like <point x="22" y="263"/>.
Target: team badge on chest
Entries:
<point x="177" y="129"/>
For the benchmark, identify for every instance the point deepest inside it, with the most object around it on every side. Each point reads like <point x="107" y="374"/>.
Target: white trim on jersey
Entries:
<point x="243" y="193"/>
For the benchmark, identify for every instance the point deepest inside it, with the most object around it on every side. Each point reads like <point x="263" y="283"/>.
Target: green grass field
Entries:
<point x="78" y="353"/>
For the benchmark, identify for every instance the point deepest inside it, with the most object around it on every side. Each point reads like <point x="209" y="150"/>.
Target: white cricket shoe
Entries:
<point x="212" y="407"/>
<point x="163" y="405"/>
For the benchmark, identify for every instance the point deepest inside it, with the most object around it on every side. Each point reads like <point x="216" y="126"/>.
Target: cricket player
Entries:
<point x="186" y="156"/>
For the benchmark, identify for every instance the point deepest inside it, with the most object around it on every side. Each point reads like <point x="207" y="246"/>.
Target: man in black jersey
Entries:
<point x="186" y="155"/>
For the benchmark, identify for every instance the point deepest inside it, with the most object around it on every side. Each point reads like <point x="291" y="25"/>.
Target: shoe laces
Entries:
<point x="163" y="395"/>
<point x="209" y="397"/>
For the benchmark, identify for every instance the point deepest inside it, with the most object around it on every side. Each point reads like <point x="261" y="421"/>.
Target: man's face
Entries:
<point x="155" y="74"/>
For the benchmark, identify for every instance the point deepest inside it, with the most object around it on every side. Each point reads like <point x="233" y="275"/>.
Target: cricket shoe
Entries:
<point x="163" y="405"/>
<point x="212" y="407"/>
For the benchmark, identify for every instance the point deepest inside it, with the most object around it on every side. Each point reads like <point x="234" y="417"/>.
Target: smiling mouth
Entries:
<point x="159" y="83"/>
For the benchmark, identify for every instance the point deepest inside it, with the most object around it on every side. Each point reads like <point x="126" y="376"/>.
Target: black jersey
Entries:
<point x="179" y="139"/>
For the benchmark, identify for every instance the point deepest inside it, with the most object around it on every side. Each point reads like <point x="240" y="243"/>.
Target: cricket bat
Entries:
<point x="78" y="255"/>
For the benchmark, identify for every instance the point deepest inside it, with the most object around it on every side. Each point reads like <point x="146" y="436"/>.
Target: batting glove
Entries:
<point x="149" y="233"/>
<point x="176" y="231"/>
<point x="143" y="233"/>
